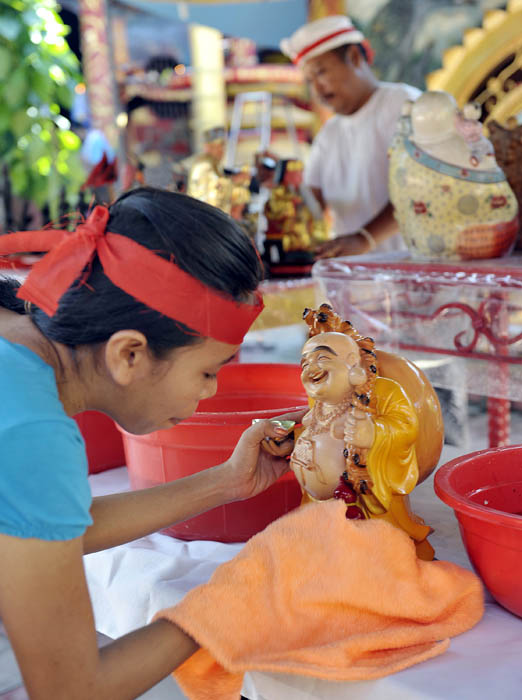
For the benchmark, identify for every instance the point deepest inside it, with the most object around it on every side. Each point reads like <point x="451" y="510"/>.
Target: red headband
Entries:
<point x="156" y="282"/>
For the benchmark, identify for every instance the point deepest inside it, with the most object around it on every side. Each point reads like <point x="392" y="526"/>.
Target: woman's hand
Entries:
<point x="251" y="469"/>
<point x="347" y="244"/>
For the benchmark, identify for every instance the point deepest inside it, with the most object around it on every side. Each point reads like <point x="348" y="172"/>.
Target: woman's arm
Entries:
<point x="124" y="517"/>
<point x="46" y="610"/>
<point x="383" y="225"/>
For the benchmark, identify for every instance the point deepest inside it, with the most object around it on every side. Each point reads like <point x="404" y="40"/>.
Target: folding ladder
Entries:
<point x="263" y="101"/>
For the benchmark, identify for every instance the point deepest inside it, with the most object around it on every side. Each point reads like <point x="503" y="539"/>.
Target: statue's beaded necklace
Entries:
<point x="322" y="419"/>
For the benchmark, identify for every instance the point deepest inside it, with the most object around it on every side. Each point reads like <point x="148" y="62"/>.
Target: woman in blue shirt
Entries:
<point x="133" y="314"/>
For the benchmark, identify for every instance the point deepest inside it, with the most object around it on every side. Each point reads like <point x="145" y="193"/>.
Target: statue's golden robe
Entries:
<point x="392" y="460"/>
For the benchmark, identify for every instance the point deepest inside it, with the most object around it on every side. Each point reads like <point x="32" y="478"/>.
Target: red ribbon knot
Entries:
<point x="96" y="224"/>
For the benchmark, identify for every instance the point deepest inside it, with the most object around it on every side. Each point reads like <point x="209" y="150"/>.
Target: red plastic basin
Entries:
<point x="103" y="441"/>
<point x="485" y="490"/>
<point x="245" y="392"/>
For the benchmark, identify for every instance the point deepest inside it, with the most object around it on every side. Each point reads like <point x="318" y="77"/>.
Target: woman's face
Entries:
<point x="174" y="387"/>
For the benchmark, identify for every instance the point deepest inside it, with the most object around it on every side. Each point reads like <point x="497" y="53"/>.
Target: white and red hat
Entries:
<point x="320" y="36"/>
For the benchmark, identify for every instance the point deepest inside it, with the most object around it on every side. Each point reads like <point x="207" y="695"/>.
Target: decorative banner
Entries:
<point x="97" y="67"/>
<point x="324" y="8"/>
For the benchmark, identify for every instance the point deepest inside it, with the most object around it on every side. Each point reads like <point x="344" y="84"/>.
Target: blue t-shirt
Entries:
<point x="44" y="491"/>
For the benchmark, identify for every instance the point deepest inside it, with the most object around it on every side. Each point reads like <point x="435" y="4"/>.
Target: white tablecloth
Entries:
<point x="130" y="583"/>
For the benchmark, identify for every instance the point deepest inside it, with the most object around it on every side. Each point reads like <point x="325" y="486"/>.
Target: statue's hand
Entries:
<point x="251" y="469"/>
<point x="359" y="429"/>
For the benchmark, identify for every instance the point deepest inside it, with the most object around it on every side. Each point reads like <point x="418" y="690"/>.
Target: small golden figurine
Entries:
<point x="291" y="228"/>
<point x="206" y="179"/>
<point x="374" y="429"/>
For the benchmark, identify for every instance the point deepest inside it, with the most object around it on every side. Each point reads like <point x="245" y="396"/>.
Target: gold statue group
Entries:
<point x="290" y="224"/>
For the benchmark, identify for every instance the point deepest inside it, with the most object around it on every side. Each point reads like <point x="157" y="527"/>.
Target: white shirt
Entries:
<point x="348" y="159"/>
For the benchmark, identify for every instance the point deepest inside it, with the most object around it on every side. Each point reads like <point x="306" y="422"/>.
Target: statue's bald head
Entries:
<point x="338" y="344"/>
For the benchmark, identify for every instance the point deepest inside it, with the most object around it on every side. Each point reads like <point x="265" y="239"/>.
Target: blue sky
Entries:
<point x="265" y="22"/>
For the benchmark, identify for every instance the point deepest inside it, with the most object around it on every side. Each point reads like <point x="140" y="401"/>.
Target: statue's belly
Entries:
<point x="318" y="463"/>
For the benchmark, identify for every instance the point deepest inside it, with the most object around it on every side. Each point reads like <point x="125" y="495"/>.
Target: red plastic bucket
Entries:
<point x="103" y="441"/>
<point x="245" y="391"/>
<point x="485" y="490"/>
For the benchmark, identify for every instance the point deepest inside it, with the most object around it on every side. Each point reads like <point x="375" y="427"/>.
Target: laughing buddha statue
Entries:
<point x="374" y="429"/>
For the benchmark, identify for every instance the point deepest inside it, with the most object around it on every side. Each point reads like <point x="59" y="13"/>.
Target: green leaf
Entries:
<point x="5" y="62"/>
<point x="54" y="185"/>
<point x="10" y="28"/>
<point x="19" y="177"/>
<point x="5" y="117"/>
<point x="21" y="123"/>
<point x="63" y="95"/>
<point x="69" y="140"/>
<point x="7" y="146"/>
<point x="57" y="75"/>
<point x="15" y="89"/>
<point x="37" y="148"/>
<point x="30" y="17"/>
<point x="43" y="165"/>
<point x="42" y="158"/>
<point x="41" y="84"/>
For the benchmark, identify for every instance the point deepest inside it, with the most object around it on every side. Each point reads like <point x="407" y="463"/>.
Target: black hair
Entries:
<point x="203" y="241"/>
<point x="340" y="51"/>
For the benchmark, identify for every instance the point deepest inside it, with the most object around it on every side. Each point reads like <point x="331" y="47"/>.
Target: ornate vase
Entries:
<point x="451" y="200"/>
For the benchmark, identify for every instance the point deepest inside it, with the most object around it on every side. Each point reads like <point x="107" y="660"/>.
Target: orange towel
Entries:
<point x="319" y="595"/>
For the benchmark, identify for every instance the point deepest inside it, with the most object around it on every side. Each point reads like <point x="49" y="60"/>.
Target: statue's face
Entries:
<point x="326" y="361"/>
<point x="216" y="149"/>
